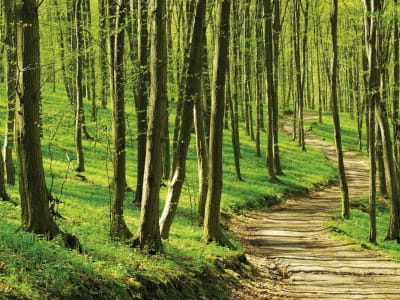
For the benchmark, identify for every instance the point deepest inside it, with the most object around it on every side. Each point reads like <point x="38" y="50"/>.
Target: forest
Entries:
<point x="199" y="149"/>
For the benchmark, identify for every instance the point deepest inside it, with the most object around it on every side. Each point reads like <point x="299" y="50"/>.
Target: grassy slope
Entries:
<point x="356" y="229"/>
<point x="348" y="128"/>
<point x="35" y="268"/>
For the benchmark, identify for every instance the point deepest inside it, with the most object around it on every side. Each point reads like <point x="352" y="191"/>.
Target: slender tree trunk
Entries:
<point x="141" y="97"/>
<point x="269" y="71"/>
<point x="235" y="130"/>
<point x="63" y="46"/>
<point x="10" y="52"/>
<point x="202" y="160"/>
<point x="248" y="70"/>
<point x="79" y="89"/>
<point x="365" y="63"/>
<point x="92" y="65"/>
<point x="259" y="72"/>
<point x="103" y="52"/>
<point x="192" y="95"/>
<point x="373" y="92"/>
<point x="206" y="87"/>
<point x="32" y="185"/>
<point x="235" y="69"/>
<point x="212" y="229"/>
<point x="380" y="163"/>
<point x="275" y="120"/>
<point x="391" y="172"/>
<point x="118" y="228"/>
<point x="335" y="111"/>
<point x="148" y="235"/>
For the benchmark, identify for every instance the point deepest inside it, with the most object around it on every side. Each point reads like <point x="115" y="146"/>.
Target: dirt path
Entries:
<point x="297" y="259"/>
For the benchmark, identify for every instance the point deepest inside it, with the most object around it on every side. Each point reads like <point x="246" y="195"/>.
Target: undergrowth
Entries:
<point x="31" y="267"/>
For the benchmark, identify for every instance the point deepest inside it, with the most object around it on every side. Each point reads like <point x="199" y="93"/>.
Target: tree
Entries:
<point x="9" y="41"/>
<point x="118" y="227"/>
<point x="103" y="52"/>
<point x="269" y="71"/>
<point x="192" y="95"/>
<point x="202" y="160"/>
<point x="141" y="97"/>
<point x="335" y="113"/>
<point x="79" y="121"/>
<point x="234" y="67"/>
<point x="370" y="41"/>
<point x="247" y="70"/>
<point x="148" y="235"/>
<point x="212" y="230"/>
<point x="32" y="185"/>
<point x="277" y="27"/>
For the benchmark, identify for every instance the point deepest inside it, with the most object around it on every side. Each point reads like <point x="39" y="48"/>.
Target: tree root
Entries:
<point x="71" y="242"/>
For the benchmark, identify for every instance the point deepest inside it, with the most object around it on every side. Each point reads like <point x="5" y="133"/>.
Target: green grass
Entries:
<point x="35" y="268"/>
<point x="356" y="229"/>
<point x="348" y="126"/>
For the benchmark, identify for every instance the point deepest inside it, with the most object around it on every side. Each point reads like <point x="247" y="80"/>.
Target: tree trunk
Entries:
<point x="118" y="228"/>
<point x="103" y="52"/>
<point x="373" y="92"/>
<point x="192" y="95"/>
<point x="142" y="95"/>
<point x="9" y="41"/>
<point x="32" y="185"/>
<point x="235" y="131"/>
<point x="275" y="122"/>
<point x="270" y="88"/>
<point x="390" y="170"/>
<point x="202" y="160"/>
<point x="148" y="235"/>
<point x="380" y="163"/>
<point x="212" y="229"/>
<point x="335" y="113"/>
<point x="63" y="46"/>
<point x="259" y="72"/>
<point x="248" y="70"/>
<point x="78" y="83"/>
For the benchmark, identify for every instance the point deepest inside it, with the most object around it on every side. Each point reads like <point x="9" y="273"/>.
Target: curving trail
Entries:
<point x="297" y="259"/>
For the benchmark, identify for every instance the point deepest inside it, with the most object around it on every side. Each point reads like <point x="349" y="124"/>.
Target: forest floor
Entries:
<point x="295" y="255"/>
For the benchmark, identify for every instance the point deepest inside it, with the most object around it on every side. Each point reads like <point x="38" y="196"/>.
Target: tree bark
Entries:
<point x="102" y="5"/>
<point x="202" y="160"/>
<point x="275" y="120"/>
<point x="142" y="95"/>
<point x="192" y="95"/>
<point x="79" y="89"/>
<point x="32" y="185"/>
<point x="247" y="71"/>
<point x="118" y="228"/>
<point x="148" y="235"/>
<point x="212" y="230"/>
<point x="9" y="41"/>
<point x="335" y="113"/>
<point x="373" y="91"/>
<point x="269" y="71"/>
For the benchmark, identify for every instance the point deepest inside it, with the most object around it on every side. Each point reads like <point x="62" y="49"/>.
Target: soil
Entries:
<point x="296" y="258"/>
